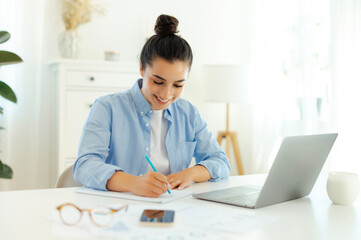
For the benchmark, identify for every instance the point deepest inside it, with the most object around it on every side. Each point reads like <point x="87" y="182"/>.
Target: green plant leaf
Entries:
<point x="5" y="171"/>
<point x="7" y="92"/>
<point x="7" y="58"/>
<point x="1" y="110"/>
<point x="4" y="36"/>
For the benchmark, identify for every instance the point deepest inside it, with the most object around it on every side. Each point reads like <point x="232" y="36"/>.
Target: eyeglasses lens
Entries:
<point x="70" y="215"/>
<point x="102" y="216"/>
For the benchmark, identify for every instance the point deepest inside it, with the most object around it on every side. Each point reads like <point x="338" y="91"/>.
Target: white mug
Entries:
<point x="343" y="187"/>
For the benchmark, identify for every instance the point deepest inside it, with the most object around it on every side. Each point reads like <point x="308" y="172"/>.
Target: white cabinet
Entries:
<point x="76" y="84"/>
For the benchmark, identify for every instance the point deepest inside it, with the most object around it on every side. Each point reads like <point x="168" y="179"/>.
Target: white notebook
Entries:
<point x="166" y="197"/>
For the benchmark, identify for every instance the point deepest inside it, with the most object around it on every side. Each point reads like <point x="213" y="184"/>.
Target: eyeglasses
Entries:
<point x="71" y="215"/>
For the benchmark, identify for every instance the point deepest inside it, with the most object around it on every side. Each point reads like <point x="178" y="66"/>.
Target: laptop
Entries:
<point x="293" y="174"/>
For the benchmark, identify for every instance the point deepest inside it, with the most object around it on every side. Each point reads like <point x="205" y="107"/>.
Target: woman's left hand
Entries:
<point x="182" y="179"/>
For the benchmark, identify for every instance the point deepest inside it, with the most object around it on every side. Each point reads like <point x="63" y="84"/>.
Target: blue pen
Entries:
<point x="151" y="164"/>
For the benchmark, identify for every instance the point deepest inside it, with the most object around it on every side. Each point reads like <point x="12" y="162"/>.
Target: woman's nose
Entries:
<point x="166" y="93"/>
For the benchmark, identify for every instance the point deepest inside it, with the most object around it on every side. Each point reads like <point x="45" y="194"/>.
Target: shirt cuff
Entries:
<point x="100" y="182"/>
<point x="216" y="169"/>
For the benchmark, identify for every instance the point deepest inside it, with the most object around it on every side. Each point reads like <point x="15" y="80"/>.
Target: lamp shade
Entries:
<point x="224" y="82"/>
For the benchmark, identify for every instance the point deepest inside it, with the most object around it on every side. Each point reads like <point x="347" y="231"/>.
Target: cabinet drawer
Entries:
<point x="78" y="104"/>
<point x="101" y="79"/>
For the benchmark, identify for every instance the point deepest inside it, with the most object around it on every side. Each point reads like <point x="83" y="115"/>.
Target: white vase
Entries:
<point x="68" y="44"/>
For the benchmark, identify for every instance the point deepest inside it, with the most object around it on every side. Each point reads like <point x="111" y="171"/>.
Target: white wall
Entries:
<point x="218" y="32"/>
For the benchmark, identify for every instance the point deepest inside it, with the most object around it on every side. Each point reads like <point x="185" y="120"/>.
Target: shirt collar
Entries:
<point x="142" y="105"/>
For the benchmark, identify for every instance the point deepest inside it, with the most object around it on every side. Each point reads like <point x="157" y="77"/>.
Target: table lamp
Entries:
<point x="224" y="83"/>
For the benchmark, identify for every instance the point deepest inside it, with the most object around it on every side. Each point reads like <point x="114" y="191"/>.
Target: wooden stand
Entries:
<point x="231" y="137"/>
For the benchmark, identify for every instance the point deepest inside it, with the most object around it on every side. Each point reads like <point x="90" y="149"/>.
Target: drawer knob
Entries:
<point x="91" y="78"/>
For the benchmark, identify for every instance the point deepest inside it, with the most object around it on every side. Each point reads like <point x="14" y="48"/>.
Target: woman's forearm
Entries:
<point x="200" y="173"/>
<point x="120" y="182"/>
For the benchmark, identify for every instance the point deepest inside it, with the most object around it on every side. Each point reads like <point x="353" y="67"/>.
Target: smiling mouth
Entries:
<point x="162" y="101"/>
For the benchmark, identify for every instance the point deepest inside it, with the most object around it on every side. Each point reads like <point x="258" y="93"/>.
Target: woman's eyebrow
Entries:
<point x="159" y="77"/>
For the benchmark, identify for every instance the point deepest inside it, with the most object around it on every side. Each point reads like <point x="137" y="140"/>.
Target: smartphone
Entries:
<point x="157" y="218"/>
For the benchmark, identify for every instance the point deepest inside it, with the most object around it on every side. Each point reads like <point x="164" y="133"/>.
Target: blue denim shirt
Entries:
<point x="116" y="136"/>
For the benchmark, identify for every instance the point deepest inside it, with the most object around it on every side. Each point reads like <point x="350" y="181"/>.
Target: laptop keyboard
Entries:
<point x="248" y="198"/>
<point x="245" y="196"/>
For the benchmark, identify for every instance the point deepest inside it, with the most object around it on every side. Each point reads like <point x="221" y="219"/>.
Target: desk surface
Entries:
<point x="23" y="214"/>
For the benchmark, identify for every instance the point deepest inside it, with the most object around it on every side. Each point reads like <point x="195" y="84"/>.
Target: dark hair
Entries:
<point x="165" y="43"/>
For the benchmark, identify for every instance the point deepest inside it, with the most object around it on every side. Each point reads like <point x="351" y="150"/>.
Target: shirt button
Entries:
<point x="147" y="149"/>
<point x="150" y="111"/>
<point x="142" y="113"/>
<point x="147" y="124"/>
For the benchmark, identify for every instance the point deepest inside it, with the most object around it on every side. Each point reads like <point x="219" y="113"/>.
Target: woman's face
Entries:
<point x="163" y="82"/>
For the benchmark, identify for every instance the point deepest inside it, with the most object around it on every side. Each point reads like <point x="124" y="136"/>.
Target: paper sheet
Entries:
<point x="228" y="220"/>
<point x="166" y="197"/>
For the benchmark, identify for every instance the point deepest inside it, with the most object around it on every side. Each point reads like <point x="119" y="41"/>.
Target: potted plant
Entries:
<point x="6" y="92"/>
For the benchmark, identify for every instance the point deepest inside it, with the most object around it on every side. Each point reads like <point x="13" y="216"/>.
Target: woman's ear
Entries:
<point x="141" y="69"/>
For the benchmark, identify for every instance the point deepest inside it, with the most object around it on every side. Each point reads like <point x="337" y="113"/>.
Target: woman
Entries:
<point x="150" y="119"/>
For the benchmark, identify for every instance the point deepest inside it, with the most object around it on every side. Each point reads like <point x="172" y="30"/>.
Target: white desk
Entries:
<point x="23" y="214"/>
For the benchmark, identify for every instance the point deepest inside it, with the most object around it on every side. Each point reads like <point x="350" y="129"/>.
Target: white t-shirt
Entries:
<point x="158" y="152"/>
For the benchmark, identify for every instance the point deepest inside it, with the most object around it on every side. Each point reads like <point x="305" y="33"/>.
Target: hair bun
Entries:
<point x="166" y="25"/>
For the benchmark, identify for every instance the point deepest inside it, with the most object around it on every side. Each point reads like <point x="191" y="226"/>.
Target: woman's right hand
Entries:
<point x="151" y="184"/>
